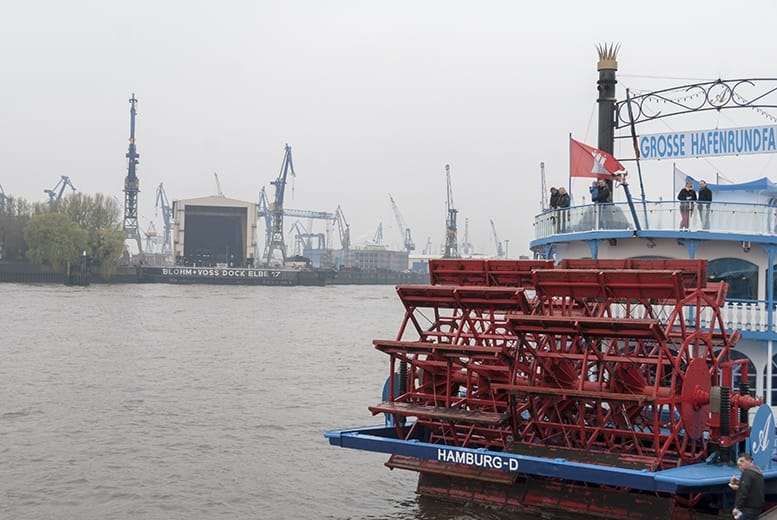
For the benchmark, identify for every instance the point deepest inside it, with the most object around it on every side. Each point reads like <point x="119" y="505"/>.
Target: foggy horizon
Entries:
<point x="374" y="98"/>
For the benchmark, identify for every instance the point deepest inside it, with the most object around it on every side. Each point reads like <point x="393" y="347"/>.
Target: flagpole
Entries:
<point x="569" y="180"/>
<point x="636" y="154"/>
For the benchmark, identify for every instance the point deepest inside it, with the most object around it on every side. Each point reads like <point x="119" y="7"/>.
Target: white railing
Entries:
<point x="746" y="316"/>
<point x="724" y="217"/>
<point x="750" y="316"/>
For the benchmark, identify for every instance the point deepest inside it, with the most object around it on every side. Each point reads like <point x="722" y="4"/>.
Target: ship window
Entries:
<point x="741" y="276"/>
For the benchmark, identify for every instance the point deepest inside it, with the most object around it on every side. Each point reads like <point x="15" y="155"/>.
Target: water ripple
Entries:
<point x="165" y="402"/>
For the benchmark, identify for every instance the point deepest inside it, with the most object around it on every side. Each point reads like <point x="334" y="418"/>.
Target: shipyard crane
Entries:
<point x="500" y="253"/>
<point x="56" y="192"/>
<point x="344" y="229"/>
<point x="301" y="238"/>
<point x="3" y="199"/>
<point x="466" y="245"/>
<point x="151" y="236"/>
<point x="167" y="217"/>
<point x="377" y="239"/>
<point x="132" y="183"/>
<point x="276" y="243"/>
<point x="407" y="240"/>
<point x="263" y="211"/>
<point x="428" y="247"/>
<point x="451" y="234"/>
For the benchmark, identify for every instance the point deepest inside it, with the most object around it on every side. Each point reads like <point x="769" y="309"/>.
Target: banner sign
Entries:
<point x="707" y="143"/>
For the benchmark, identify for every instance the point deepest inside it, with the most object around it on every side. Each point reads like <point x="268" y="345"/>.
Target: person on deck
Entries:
<point x="705" y="197"/>
<point x="553" y="208"/>
<point x="564" y="200"/>
<point x="602" y="198"/>
<point x="553" y="198"/>
<point x="686" y="196"/>
<point x="750" y="489"/>
<point x="594" y="190"/>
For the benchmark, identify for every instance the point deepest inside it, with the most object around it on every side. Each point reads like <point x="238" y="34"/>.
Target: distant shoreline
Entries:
<point x="22" y="272"/>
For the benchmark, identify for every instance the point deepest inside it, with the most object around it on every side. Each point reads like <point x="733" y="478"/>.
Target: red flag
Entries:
<point x="587" y="161"/>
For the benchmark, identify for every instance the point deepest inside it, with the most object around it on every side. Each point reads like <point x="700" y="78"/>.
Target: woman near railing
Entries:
<point x="686" y="197"/>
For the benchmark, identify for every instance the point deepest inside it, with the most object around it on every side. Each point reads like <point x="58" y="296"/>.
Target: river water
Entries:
<point x="197" y="402"/>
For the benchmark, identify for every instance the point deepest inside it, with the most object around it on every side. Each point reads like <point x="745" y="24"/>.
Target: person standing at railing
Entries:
<point x="686" y="197"/>
<point x="594" y="191"/>
<point x="554" y="208"/>
<point x="602" y="198"/>
<point x="564" y="200"/>
<point x="553" y="198"/>
<point x="705" y="198"/>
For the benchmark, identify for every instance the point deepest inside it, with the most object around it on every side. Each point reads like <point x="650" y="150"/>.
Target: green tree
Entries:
<point x="107" y="246"/>
<point x="91" y="212"/>
<point x="98" y="215"/>
<point x="17" y="207"/>
<point x="54" y="239"/>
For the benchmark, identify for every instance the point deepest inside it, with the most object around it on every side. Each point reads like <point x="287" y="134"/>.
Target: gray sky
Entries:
<point x="373" y="97"/>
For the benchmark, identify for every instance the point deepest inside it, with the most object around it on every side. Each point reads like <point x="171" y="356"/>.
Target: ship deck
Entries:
<point x="694" y="478"/>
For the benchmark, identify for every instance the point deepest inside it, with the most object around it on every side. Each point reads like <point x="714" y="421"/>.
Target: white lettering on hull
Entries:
<point x="215" y="272"/>
<point x="481" y="460"/>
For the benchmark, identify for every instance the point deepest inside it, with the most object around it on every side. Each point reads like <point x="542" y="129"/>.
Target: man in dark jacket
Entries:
<point x="603" y="193"/>
<point x="564" y="200"/>
<point x="750" y="489"/>
<point x="602" y="197"/>
<point x="553" y="198"/>
<point x="705" y="197"/>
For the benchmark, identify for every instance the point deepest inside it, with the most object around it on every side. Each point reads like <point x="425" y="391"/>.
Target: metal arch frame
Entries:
<point x="715" y="95"/>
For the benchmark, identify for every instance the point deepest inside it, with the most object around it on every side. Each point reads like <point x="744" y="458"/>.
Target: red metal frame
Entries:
<point x="619" y="357"/>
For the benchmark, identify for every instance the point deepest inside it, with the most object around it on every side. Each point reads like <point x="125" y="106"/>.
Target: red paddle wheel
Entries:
<point x="623" y="362"/>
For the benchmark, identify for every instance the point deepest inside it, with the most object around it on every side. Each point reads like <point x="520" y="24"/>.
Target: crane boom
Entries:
<point x="377" y="238"/>
<point x="451" y="234"/>
<point x="500" y="253"/>
<point x="263" y="211"/>
<point x="167" y="217"/>
<point x="407" y="240"/>
<point x="344" y="229"/>
<point x="59" y="189"/>
<point x="305" y="213"/>
<point x="301" y="238"/>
